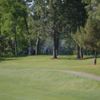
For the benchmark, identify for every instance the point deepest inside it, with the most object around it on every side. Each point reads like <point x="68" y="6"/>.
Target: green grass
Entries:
<point x="33" y="78"/>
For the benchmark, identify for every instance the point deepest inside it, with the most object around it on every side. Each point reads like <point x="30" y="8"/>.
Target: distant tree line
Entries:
<point x="29" y="27"/>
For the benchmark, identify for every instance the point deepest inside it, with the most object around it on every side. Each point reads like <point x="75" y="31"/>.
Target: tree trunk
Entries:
<point x="78" y="52"/>
<point x="29" y="47"/>
<point x="95" y="58"/>
<point x="15" y="44"/>
<point x="29" y="40"/>
<point x="37" y="46"/>
<point x="81" y="53"/>
<point x="55" y="54"/>
<point x="55" y="45"/>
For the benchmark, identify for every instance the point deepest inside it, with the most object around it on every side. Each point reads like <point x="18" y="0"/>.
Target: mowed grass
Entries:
<point x="35" y="78"/>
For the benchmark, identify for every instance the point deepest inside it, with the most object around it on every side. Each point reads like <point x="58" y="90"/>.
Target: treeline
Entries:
<point x="29" y="27"/>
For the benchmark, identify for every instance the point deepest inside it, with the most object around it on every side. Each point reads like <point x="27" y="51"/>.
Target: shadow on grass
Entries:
<point x="85" y="58"/>
<point x="90" y="57"/>
<point x="10" y="58"/>
<point x="74" y="58"/>
<point x="6" y="59"/>
<point x="67" y="58"/>
<point x="59" y="58"/>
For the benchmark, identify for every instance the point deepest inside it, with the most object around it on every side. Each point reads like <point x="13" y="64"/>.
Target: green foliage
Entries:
<point x="12" y="21"/>
<point x="28" y="23"/>
<point x="79" y="36"/>
<point x="92" y="39"/>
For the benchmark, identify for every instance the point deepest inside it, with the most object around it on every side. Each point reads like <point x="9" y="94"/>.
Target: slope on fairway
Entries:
<point x="27" y="79"/>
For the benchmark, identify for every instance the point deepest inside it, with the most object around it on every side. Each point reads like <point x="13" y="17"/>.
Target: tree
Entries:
<point x="12" y="24"/>
<point x="92" y="38"/>
<point x="38" y="14"/>
<point x="78" y="26"/>
<point x="79" y="37"/>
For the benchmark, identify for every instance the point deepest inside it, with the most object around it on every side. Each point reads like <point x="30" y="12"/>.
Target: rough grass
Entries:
<point x="31" y="78"/>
